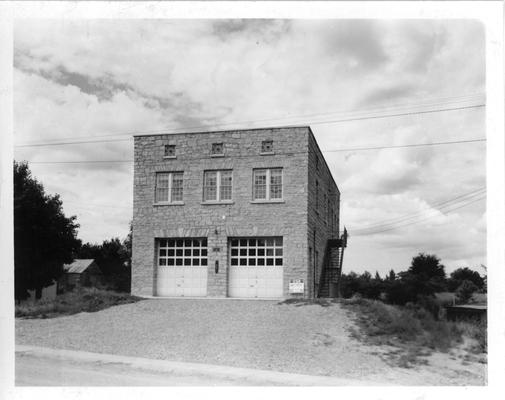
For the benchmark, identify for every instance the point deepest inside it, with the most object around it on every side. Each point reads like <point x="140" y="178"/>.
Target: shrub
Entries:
<point x="465" y="292"/>
<point x="400" y="293"/>
<point x="476" y="331"/>
<point x="413" y="327"/>
<point x="82" y="300"/>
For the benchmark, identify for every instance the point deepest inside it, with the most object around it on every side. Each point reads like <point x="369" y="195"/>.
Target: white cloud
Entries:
<point x="80" y="78"/>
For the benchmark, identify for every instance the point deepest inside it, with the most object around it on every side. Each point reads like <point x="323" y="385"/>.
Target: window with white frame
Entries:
<point x="182" y="252"/>
<point x="267" y="184"/>
<point x="169" y="187"/>
<point x="252" y="252"/>
<point x="217" y="185"/>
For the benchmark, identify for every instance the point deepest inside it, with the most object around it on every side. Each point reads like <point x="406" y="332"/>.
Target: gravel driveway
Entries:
<point x="309" y="339"/>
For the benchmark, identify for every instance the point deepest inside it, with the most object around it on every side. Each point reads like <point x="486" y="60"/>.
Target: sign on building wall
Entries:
<point x="296" y="286"/>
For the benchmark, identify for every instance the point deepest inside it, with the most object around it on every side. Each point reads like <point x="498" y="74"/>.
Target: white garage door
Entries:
<point x="182" y="267"/>
<point x="256" y="267"/>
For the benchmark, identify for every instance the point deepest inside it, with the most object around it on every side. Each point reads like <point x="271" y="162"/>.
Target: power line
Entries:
<point x="399" y="114"/>
<point x="363" y="118"/>
<point x="75" y="142"/>
<point x="421" y="220"/>
<point x="94" y="205"/>
<point x="428" y="103"/>
<point x="81" y="162"/>
<point x="405" y="145"/>
<point x="443" y="204"/>
<point x="324" y="151"/>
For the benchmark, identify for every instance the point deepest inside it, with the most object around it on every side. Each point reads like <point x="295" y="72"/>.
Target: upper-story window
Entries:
<point x="267" y="146"/>
<point x="169" y="187"/>
<point x="267" y="184"/>
<point x="217" y="149"/>
<point x="169" y="150"/>
<point x="217" y="185"/>
<point x="317" y="196"/>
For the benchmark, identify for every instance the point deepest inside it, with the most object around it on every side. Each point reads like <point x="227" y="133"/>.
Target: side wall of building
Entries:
<point x="218" y="222"/>
<point x="323" y="211"/>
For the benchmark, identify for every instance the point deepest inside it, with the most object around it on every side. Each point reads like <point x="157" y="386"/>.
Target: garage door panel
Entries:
<point x="256" y="267"/>
<point x="189" y="279"/>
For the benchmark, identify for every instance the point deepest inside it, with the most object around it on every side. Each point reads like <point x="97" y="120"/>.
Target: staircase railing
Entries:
<point x="330" y="244"/>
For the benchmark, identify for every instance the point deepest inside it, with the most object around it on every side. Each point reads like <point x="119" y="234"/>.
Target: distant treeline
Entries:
<point x="425" y="277"/>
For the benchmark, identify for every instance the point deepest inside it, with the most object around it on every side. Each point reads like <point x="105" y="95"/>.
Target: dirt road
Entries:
<point x="296" y="338"/>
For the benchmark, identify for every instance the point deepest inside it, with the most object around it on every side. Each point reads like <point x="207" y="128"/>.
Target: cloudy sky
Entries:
<point x="353" y="81"/>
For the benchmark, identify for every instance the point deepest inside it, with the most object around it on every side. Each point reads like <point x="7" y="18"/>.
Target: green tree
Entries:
<point x="114" y="259"/>
<point x="391" y="276"/>
<point x="426" y="273"/>
<point x="464" y="274"/>
<point x="425" y="277"/>
<point x="427" y="267"/>
<point x="44" y="238"/>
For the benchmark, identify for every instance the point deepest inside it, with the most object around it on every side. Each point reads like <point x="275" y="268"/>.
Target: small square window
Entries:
<point x="267" y="146"/>
<point x="217" y="149"/>
<point x="170" y="150"/>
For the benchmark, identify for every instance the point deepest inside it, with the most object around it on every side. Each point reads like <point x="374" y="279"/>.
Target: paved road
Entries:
<point x="32" y="370"/>
<point x="42" y="366"/>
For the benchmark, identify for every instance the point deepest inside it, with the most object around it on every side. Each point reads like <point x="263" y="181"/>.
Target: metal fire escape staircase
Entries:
<point x="332" y="267"/>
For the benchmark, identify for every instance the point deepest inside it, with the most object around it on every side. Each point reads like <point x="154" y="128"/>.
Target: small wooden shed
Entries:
<point x="82" y="272"/>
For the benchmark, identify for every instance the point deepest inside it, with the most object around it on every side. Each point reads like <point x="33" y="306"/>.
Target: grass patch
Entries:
<point x="82" y="300"/>
<point x="412" y="331"/>
<point x="307" y="302"/>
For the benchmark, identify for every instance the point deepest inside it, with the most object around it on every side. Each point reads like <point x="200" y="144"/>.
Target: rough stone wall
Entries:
<point x="325" y="224"/>
<point x="218" y="222"/>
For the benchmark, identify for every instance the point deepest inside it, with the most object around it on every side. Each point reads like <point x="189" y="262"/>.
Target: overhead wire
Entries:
<point x="443" y="204"/>
<point x="427" y="103"/>
<point x="366" y="231"/>
<point x="360" y="118"/>
<point x="352" y="149"/>
<point x="419" y="221"/>
<point x="403" y="146"/>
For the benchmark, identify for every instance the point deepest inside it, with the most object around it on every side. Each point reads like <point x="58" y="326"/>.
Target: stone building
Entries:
<point x="239" y="213"/>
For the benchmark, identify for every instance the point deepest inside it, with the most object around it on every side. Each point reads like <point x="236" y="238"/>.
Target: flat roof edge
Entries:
<point x="225" y="130"/>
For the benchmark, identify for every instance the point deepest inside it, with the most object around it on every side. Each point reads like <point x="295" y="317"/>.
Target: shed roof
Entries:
<point x="78" y="266"/>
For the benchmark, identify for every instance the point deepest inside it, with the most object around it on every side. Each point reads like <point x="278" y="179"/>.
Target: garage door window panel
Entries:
<point x="182" y="252"/>
<point x="257" y="252"/>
